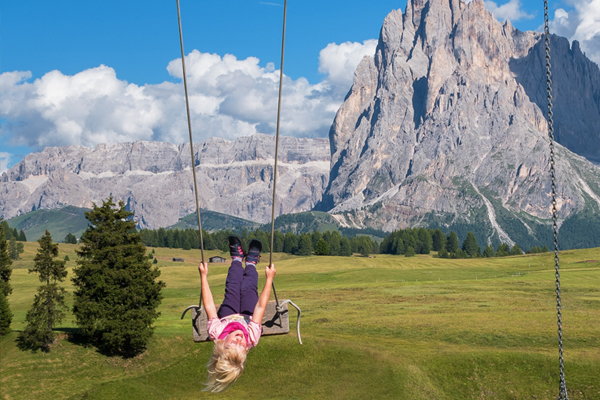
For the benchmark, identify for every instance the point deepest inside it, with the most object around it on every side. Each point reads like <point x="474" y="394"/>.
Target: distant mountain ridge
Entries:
<point x="155" y="179"/>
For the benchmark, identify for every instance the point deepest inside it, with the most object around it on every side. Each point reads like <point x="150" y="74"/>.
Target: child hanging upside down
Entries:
<point x="236" y="327"/>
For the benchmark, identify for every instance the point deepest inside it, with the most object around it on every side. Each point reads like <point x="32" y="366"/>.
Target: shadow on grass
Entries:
<point x="76" y="337"/>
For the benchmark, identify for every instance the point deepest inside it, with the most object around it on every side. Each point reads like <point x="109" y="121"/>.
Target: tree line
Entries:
<point x="15" y="240"/>
<point x="413" y="241"/>
<point x="407" y="242"/>
<point x="305" y="244"/>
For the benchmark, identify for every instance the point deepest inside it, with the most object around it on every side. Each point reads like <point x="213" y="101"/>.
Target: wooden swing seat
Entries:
<point x="272" y="324"/>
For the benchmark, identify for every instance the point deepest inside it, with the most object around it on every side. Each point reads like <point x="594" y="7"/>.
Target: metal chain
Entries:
<point x="562" y="386"/>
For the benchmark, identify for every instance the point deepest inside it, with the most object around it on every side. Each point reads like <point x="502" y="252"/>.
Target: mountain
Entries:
<point x="155" y="181"/>
<point x="59" y="222"/>
<point x="444" y="127"/>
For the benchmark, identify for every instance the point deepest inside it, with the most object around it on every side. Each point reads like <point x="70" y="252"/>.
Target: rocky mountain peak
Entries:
<point x="440" y="122"/>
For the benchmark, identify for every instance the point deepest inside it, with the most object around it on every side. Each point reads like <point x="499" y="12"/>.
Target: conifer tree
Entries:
<point x="345" y="247"/>
<point x="5" y="315"/>
<point x="116" y="288"/>
<point x="305" y="245"/>
<point x="489" y="251"/>
<point x="70" y="238"/>
<point x="470" y="245"/>
<point x="438" y="240"/>
<point x="5" y="263"/>
<point x="322" y="249"/>
<point x="13" y="250"/>
<point x="452" y="244"/>
<point x="334" y="243"/>
<point x="409" y="252"/>
<point x="516" y="250"/>
<point x="22" y="237"/>
<point x="5" y="288"/>
<point x="49" y="302"/>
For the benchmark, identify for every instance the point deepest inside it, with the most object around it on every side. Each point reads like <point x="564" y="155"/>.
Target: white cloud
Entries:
<point x="4" y="159"/>
<point x="508" y="11"/>
<point x="582" y="23"/>
<point x="339" y="62"/>
<point x="228" y="98"/>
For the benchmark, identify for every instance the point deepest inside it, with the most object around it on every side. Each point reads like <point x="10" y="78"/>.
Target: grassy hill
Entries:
<point x="214" y="221"/>
<point x="59" y="222"/>
<point x="388" y="327"/>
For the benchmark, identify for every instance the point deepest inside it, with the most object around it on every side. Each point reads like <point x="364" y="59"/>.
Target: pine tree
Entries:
<point x="438" y="240"/>
<point x="334" y="243"/>
<point x="13" y="250"/>
<point x="345" y="247"/>
<point x="5" y="263"/>
<point x="22" y="237"/>
<point x="489" y="251"/>
<point x="426" y="241"/>
<point x="322" y="249"/>
<point x="116" y="288"/>
<point x="503" y="250"/>
<point x="443" y="253"/>
<point x="70" y="238"/>
<point x="67" y="258"/>
<point x="452" y="245"/>
<point x="470" y="245"/>
<point x="516" y="250"/>
<point x="545" y="249"/>
<point x="5" y="315"/>
<point x="305" y="245"/>
<point x="49" y="302"/>
<point x="290" y="243"/>
<point x="409" y="252"/>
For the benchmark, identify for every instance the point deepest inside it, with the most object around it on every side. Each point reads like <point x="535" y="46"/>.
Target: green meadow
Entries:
<point x="387" y="327"/>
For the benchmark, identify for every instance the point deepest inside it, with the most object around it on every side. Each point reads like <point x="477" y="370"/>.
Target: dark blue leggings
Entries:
<point x="241" y="290"/>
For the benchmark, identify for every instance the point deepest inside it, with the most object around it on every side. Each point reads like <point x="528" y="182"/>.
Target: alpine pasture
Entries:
<point x="388" y="327"/>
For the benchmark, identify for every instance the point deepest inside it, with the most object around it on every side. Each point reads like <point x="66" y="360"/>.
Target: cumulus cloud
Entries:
<point x="338" y="62"/>
<point x="229" y="98"/>
<point x="582" y="23"/>
<point x="508" y="11"/>
<point x="4" y="159"/>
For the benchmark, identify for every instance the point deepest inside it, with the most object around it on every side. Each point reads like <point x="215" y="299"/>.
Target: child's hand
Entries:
<point x="203" y="268"/>
<point x="270" y="271"/>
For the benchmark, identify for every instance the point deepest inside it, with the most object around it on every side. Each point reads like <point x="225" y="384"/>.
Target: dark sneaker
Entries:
<point x="253" y="255"/>
<point x="235" y="247"/>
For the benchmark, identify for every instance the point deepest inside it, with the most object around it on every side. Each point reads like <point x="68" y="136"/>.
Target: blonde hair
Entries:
<point x="224" y="367"/>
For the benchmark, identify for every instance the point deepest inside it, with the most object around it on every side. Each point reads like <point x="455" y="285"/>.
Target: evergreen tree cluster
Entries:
<point x="5" y="287"/>
<point x="11" y="233"/>
<point x="15" y="239"/>
<point x="413" y="241"/>
<point x="70" y="238"/>
<point x="305" y="244"/>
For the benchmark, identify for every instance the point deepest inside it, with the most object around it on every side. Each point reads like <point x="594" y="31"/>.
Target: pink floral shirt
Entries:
<point x="254" y="330"/>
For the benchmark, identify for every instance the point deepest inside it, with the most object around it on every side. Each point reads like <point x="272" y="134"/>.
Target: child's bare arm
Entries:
<point x="207" y="298"/>
<point x="263" y="299"/>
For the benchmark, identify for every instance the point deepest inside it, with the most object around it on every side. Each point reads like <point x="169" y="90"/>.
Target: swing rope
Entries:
<point x="276" y="152"/>
<point x="189" y="121"/>
<point x="562" y="386"/>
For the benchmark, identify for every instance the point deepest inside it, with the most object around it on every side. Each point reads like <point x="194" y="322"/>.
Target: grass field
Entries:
<point x="387" y="327"/>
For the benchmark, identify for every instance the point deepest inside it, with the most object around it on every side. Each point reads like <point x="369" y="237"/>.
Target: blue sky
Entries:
<point x="127" y="53"/>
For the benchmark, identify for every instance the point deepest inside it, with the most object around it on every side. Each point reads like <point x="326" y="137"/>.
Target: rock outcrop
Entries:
<point x="155" y="179"/>
<point x="439" y="127"/>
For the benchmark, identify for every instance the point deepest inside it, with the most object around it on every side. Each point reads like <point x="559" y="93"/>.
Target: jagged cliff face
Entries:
<point x="439" y="127"/>
<point x="155" y="179"/>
